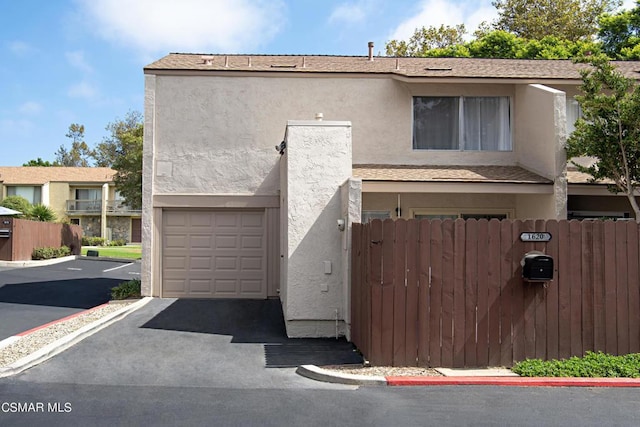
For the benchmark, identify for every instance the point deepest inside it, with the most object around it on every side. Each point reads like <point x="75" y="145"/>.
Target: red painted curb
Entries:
<point x="71" y="316"/>
<point x="515" y="381"/>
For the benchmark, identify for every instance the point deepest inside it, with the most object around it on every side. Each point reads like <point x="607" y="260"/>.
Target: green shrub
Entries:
<point x="118" y="242"/>
<point x="17" y="203"/>
<point x="93" y="241"/>
<point x="124" y="290"/>
<point x="50" y="253"/>
<point x="592" y="365"/>
<point x="42" y="213"/>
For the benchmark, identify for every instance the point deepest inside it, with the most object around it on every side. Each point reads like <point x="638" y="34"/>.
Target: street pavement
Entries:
<point x="315" y="405"/>
<point x="141" y="370"/>
<point x="30" y="297"/>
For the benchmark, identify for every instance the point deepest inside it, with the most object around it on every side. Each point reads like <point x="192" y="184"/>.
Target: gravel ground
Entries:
<point x="385" y="371"/>
<point x="45" y="336"/>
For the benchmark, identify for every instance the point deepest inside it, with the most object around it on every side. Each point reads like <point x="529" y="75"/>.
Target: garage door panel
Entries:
<point x="172" y="219"/>
<point x="226" y="220"/>
<point x="250" y="286"/>
<point x="175" y="263"/>
<point x="200" y="219"/>
<point x="252" y="220"/>
<point x="251" y="242"/>
<point x="226" y="241"/>
<point x="226" y="286"/>
<point x="200" y="263"/>
<point x="200" y="286"/>
<point x="175" y="241"/>
<point x="226" y="263"/>
<point x="174" y="286"/>
<point x="214" y="254"/>
<point x="201" y="241"/>
<point x="251" y="263"/>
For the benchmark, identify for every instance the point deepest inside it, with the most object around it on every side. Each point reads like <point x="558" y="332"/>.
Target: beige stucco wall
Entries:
<point x="58" y="193"/>
<point x="215" y="135"/>
<point x="318" y="162"/>
<point x="540" y="129"/>
<point x="150" y="214"/>
<point x="351" y="201"/>
<point x="205" y="126"/>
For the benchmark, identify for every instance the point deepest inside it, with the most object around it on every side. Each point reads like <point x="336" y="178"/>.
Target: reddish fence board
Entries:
<point x="451" y="294"/>
<point x="25" y="236"/>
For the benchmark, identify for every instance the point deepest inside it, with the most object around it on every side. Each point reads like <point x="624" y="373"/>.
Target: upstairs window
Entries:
<point x="574" y="112"/>
<point x="462" y="123"/>
<point x="32" y="194"/>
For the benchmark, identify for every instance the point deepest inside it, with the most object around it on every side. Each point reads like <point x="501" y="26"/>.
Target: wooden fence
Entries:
<point x="23" y="236"/>
<point x="450" y="293"/>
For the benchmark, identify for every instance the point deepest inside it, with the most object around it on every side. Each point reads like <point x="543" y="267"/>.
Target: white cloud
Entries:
<point x="153" y="26"/>
<point x="30" y="108"/>
<point x="628" y="4"/>
<point x="441" y="12"/>
<point x="348" y="13"/>
<point x="15" y="127"/>
<point x="77" y="60"/>
<point x="83" y="90"/>
<point x="20" y="48"/>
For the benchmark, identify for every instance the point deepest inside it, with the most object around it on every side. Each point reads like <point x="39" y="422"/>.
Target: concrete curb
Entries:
<point x="38" y="263"/>
<point x="315" y="373"/>
<point x="67" y="341"/>
<point x="45" y="262"/>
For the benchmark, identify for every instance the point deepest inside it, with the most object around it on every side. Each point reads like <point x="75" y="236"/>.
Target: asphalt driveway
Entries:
<point x="30" y="297"/>
<point x="193" y="343"/>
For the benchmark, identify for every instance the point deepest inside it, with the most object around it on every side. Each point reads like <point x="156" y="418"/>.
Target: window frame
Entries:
<point x="459" y="212"/>
<point x="36" y="190"/>
<point x="377" y="215"/>
<point x="461" y="127"/>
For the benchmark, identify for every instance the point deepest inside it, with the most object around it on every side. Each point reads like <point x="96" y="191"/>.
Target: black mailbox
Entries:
<point x="5" y="233"/>
<point x="537" y="267"/>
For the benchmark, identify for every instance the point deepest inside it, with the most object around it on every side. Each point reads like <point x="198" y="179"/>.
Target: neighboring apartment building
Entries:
<point x="226" y="215"/>
<point x="85" y="196"/>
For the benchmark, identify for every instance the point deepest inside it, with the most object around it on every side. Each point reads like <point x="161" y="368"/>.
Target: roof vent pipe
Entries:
<point x="370" y="51"/>
<point x="319" y="116"/>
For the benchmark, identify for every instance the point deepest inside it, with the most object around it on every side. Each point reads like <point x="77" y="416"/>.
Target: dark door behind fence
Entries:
<point x="450" y="293"/>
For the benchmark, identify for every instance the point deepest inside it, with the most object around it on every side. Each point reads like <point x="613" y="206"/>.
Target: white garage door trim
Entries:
<point x="214" y="253"/>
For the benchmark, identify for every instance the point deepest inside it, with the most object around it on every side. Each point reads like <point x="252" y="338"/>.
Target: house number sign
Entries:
<point x="535" y="237"/>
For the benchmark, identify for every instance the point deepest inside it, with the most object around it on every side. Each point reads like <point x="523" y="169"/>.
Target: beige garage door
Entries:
<point x="213" y="254"/>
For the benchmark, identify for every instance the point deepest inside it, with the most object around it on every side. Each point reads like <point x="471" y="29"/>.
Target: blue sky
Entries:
<point x="80" y="61"/>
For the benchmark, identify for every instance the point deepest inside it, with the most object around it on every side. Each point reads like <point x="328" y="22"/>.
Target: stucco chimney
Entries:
<point x="370" y="51"/>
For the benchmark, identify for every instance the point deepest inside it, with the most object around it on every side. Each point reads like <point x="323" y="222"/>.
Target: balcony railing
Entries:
<point x="119" y="206"/>
<point x="95" y="207"/>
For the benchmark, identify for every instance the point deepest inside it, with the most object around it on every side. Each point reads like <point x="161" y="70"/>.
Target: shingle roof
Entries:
<point x="36" y="175"/>
<point x="485" y="174"/>
<point x="577" y="177"/>
<point x="407" y="67"/>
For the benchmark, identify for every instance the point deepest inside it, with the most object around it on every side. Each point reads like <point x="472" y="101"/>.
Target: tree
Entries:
<point x="122" y="151"/>
<point x="425" y="39"/>
<point x="620" y="33"/>
<point x="17" y="203"/>
<point x="609" y="131"/>
<point x="498" y="44"/>
<point x="566" y="19"/>
<point x="79" y="154"/>
<point x="38" y="162"/>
